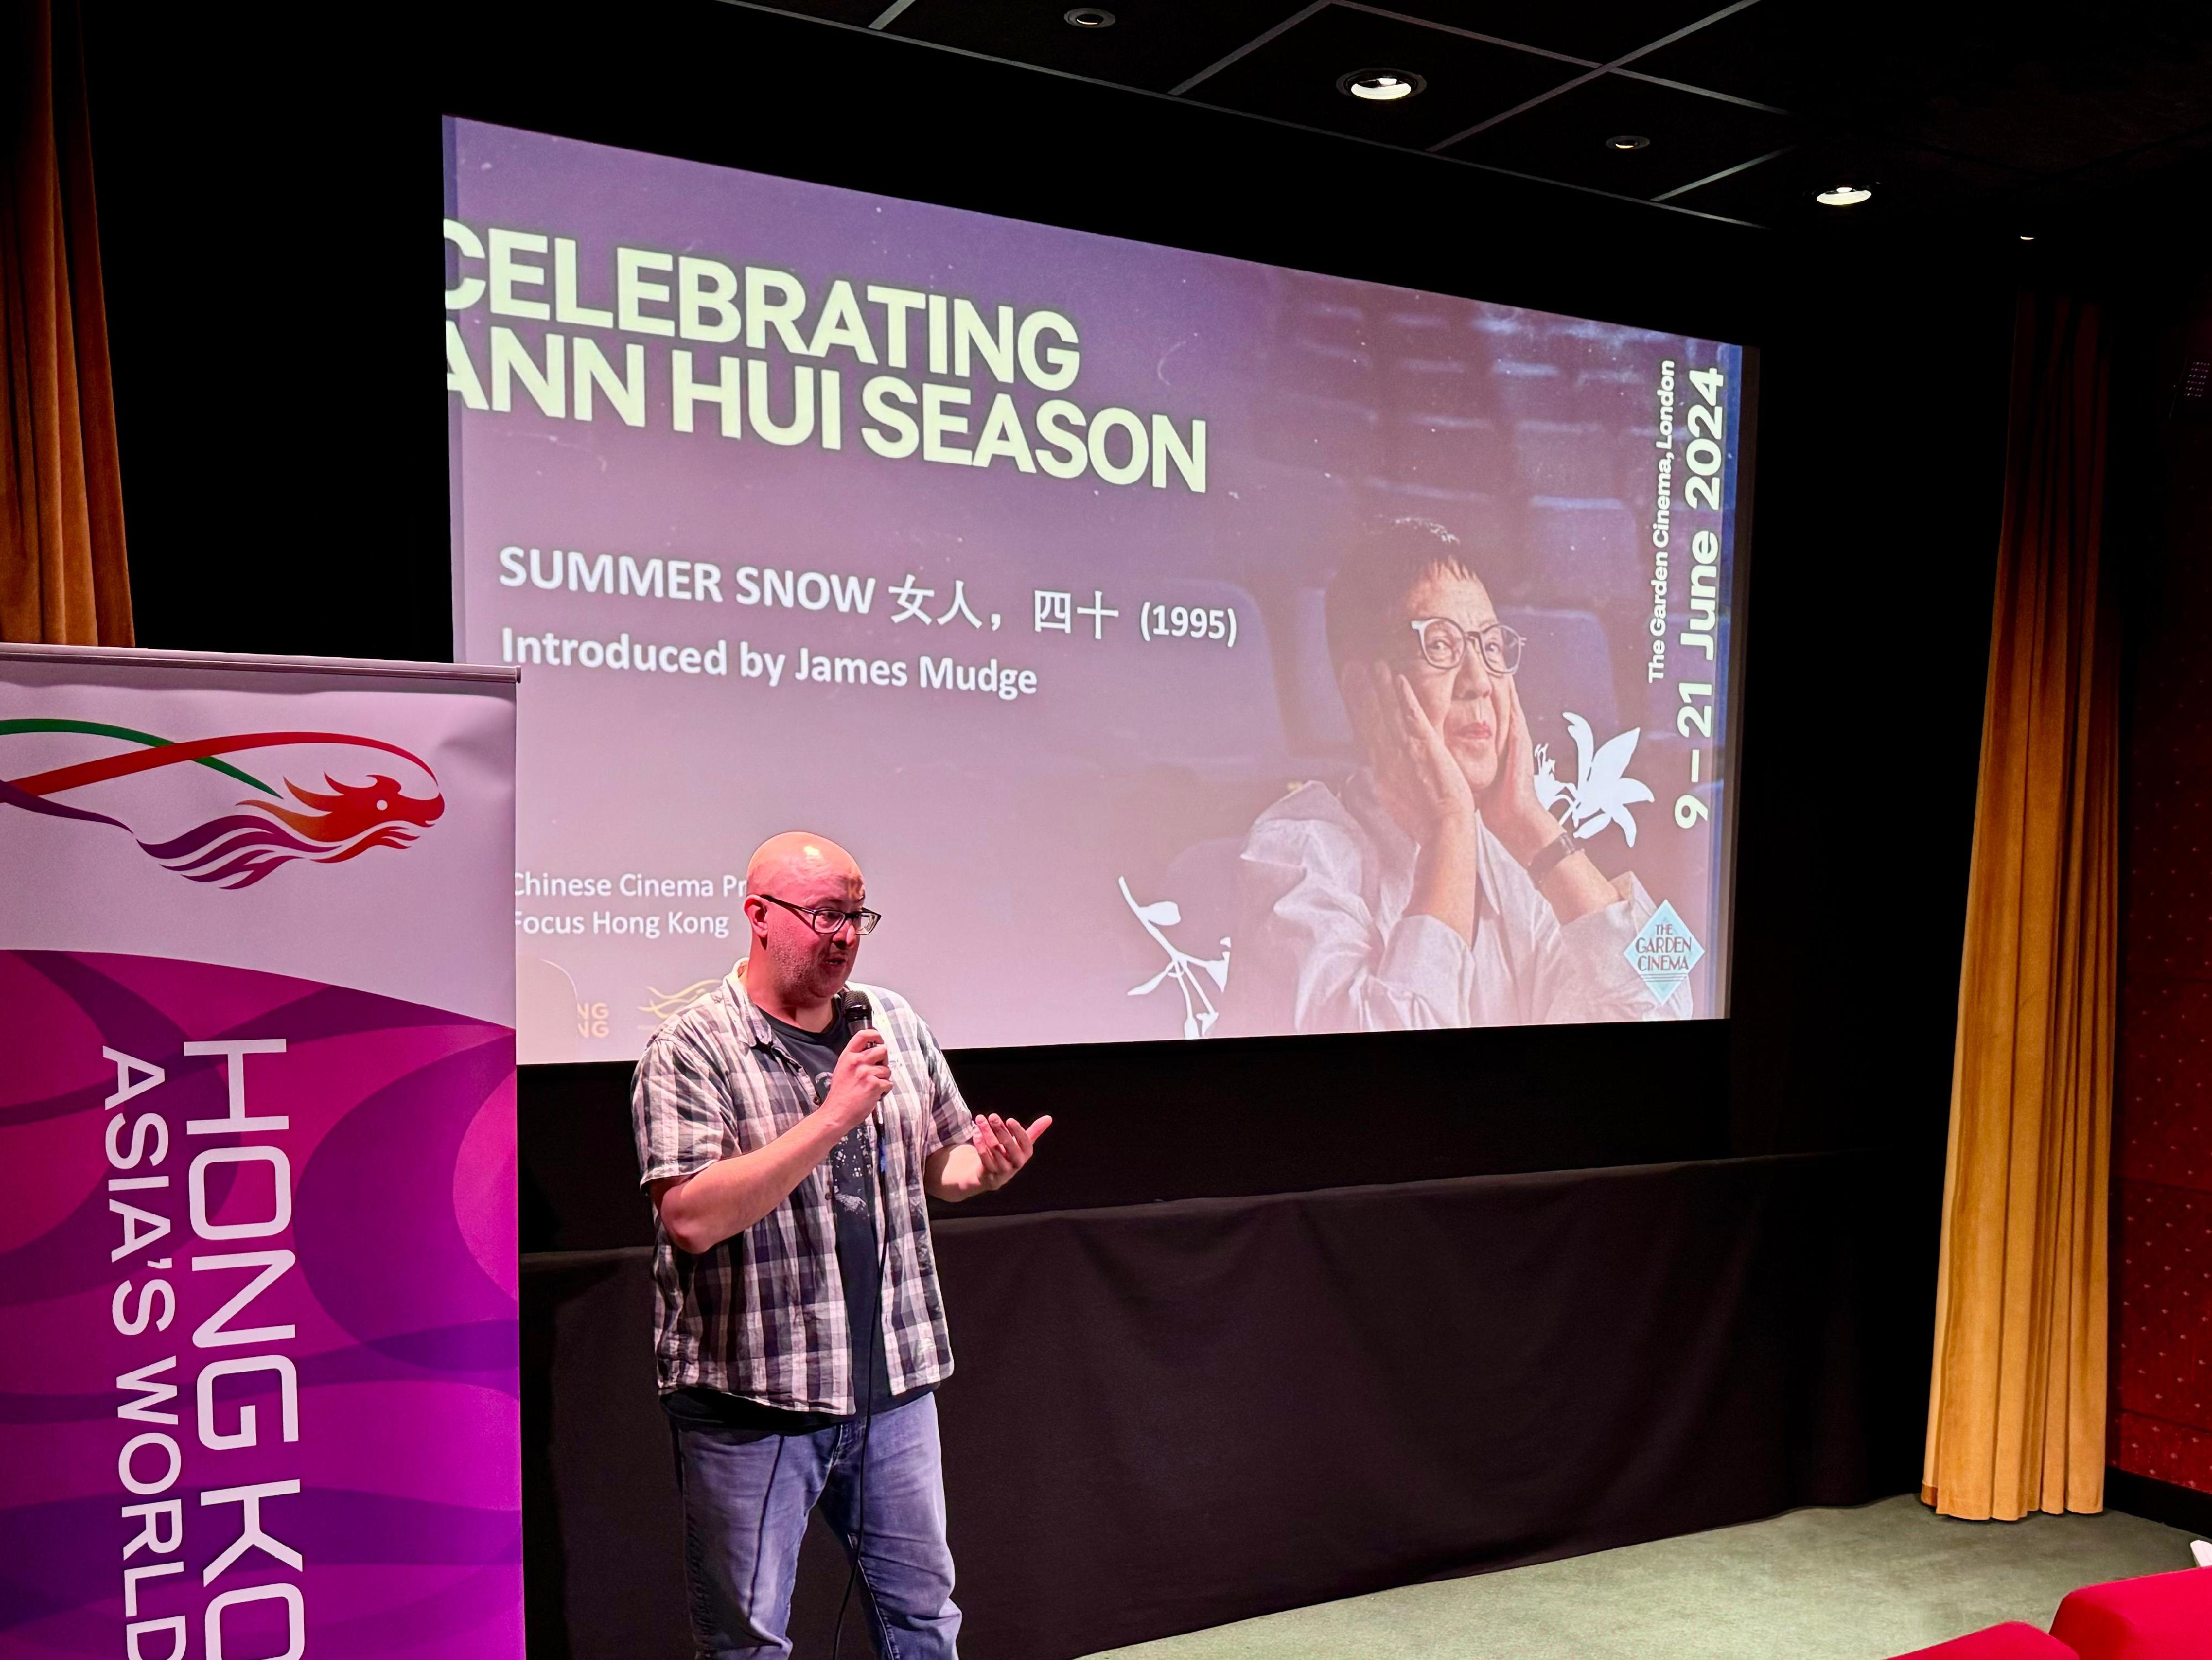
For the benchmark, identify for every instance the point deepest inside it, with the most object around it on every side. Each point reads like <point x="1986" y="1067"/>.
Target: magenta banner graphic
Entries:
<point x="259" y="1376"/>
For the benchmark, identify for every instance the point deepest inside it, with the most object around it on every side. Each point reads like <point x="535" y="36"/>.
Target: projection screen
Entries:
<point x="1185" y="647"/>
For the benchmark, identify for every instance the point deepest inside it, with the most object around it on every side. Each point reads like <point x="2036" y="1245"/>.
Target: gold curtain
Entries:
<point x="63" y="578"/>
<point x="2016" y="1407"/>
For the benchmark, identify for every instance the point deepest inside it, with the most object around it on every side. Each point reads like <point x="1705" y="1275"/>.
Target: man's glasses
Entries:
<point x="1445" y="643"/>
<point x="823" y="920"/>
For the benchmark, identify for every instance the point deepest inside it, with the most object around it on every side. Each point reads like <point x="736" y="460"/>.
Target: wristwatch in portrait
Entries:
<point x="1549" y="859"/>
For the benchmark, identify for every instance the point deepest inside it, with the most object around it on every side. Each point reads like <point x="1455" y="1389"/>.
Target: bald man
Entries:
<point x="799" y="1329"/>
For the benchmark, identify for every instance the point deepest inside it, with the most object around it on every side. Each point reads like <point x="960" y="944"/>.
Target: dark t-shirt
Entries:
<point x="853" y="1200"/>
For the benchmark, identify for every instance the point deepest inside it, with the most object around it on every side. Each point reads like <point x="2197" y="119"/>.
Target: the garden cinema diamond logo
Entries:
<point x="1664" y="952"/>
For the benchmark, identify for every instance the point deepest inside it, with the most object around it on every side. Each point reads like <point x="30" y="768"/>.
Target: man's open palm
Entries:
<point x="1005" y="1146"/>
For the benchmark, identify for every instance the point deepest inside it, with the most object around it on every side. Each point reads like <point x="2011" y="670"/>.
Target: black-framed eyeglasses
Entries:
<point x="1444" y="644"/>
<point x="822" y="919"/>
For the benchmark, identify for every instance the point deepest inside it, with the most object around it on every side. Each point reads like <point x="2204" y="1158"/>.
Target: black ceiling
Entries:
<point x="2013" y="116"/>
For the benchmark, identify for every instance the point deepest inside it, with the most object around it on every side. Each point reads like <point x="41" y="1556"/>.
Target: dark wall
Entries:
<point x="2157" y="547"/>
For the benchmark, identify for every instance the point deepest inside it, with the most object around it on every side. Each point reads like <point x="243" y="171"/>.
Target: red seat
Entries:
<point x="2164" y="1616"/>
<point x="2010" y="1641"/>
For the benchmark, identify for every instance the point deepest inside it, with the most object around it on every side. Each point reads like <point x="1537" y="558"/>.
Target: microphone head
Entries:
<point x="860" y="1014"/>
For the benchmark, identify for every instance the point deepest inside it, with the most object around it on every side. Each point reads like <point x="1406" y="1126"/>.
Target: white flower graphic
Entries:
<point x="1199" y="1014"/>
<point x="1602" y="791"/>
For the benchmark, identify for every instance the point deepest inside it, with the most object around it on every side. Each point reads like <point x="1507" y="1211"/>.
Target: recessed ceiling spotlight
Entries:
<point x="1628" y="141"/>
<point x="2027" y="236"/>
<point x="1089" y="17"/>
<point x="1380" y="86"/>
<point x="1844" y="196"/>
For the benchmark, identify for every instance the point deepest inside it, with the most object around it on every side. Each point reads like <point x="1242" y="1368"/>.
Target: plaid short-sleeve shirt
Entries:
<point x="763" y="1314"/>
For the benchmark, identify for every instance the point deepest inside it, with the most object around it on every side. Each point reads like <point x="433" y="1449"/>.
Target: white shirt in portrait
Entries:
<point x="1323" y="940"/>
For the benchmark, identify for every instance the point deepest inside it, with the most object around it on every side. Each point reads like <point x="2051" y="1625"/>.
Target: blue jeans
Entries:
<point x="746" y="1499"/>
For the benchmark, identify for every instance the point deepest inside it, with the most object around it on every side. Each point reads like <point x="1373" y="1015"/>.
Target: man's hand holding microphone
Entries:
<point x="861" y="1080"/>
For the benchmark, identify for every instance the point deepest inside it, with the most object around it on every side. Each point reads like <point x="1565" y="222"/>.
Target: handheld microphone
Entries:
<point x="860" y="1017"/>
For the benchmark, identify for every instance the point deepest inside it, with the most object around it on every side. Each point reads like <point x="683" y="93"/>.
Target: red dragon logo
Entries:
<point x="238" y="850"/>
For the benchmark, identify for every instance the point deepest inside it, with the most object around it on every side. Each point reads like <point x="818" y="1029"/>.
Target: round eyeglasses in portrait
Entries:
<point x="1445" y="643"/>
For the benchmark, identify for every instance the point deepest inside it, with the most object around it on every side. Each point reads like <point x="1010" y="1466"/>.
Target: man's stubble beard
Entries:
<point x="806" y="975"/>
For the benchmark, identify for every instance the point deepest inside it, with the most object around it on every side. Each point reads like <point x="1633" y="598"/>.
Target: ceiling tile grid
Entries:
<point x="1744" y="110"/>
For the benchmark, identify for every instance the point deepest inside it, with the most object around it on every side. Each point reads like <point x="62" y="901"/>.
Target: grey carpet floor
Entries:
<point x="1860" y="1583"/>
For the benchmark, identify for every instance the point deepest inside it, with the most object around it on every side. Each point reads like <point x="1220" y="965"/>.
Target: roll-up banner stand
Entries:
<point x="258" y="1377"/>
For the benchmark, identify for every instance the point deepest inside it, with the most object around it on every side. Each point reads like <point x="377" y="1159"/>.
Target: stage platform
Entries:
<point x="1857" y="1584"/>
<point x="1171" y="1417"/>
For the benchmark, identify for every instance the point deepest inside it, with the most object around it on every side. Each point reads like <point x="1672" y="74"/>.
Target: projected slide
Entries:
<point x="1185" y="647"/>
